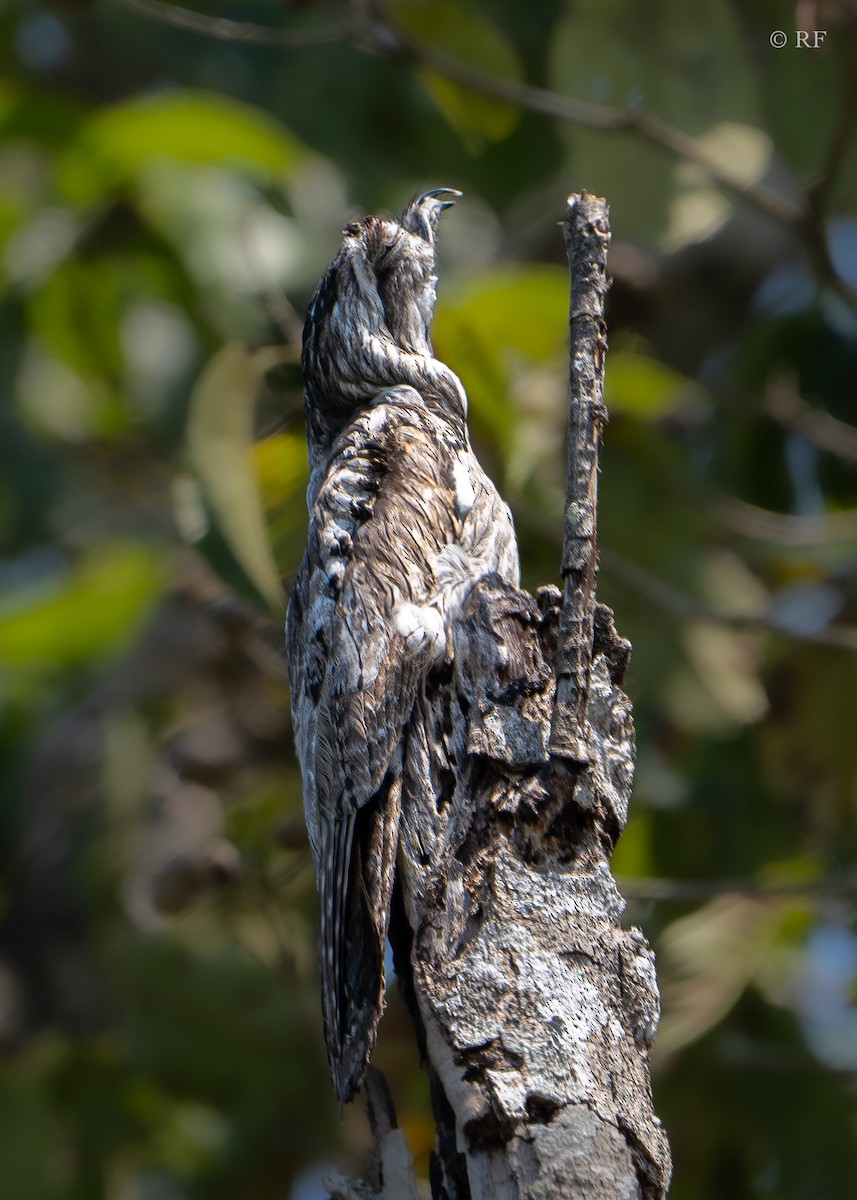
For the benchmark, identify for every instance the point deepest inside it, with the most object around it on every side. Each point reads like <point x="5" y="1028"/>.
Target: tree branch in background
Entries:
<point x="783" y="402"/>
<point x="820" y="189"/>
<point x="671" y="600"/>
<point x="600" y="116"/>
<point x="789" y="529"/>
<point x="226" y="30"/>
<point x="369" y="27"/>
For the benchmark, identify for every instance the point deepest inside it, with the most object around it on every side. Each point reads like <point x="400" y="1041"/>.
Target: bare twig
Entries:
<point x="370" y="28"/>
<point x="804" y="217"/>
<point x="587" y="234"/>
<point x="785" y="405"/>
<point x="600" y="116"/>
<point x="226" y="30"/>
<point x="671" y="600"/>
<point x="788" y="529"/>
<point x="393" y="1163"/>
<point x="375" y="31"/>
<point x="530" y="998"/>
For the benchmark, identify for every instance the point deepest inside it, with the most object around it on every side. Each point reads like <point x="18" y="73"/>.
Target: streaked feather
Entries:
<point x="403" y="521"/>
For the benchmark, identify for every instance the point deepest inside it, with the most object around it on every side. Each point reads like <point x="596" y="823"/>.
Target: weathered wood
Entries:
<point x="587" y="236"/>
<point x="535" y="1008"/>
<point x="392" y="1173"/>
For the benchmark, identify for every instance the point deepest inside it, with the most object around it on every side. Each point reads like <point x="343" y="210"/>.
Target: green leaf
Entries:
<point x="470" y="37"/>
<point x="633" y="857"/>
<point x="48" y="118"/>
<point x="646" y="388"/>
<point x="493" y="326"/>
<point x="94" y="613"/>
<point x="522" y="309"/>
<point x="196" y="128"/>
<point x="220" y="443"/>
<point x="33" y="1139"/>
<point x="77" y="314"/>
<point x="283" y="473"/>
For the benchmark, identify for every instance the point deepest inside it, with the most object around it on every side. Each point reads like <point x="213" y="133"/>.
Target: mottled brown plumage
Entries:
<point x="403" y="521"/>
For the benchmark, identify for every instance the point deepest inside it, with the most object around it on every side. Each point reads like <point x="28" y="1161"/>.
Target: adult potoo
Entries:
<point x="403" y="522"/>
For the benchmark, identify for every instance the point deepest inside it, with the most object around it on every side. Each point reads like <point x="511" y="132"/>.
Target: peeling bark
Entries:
<point x="535" y="1008"/>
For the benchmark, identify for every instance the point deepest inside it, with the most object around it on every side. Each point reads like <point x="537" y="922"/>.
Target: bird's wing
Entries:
<point x="361" y="638"/>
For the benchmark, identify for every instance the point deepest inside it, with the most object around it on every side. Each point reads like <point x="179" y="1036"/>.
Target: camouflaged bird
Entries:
<point x="403" y="522"/>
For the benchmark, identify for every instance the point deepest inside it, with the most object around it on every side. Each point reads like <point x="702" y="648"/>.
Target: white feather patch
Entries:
<point x="465" y="496"/>
<point x="421" y="627"/>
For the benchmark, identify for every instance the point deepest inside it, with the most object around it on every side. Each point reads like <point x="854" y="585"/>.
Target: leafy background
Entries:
<point x="167" y="203"/>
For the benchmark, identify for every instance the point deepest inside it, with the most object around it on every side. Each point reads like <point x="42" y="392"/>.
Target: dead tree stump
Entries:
<point x="535" y="1009"/>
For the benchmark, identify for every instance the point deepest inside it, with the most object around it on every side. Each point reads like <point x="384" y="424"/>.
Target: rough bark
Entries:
<point x="535" y="1008"/>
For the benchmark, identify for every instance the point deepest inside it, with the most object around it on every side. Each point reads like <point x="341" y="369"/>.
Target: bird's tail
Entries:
<point x="355" y="896"/>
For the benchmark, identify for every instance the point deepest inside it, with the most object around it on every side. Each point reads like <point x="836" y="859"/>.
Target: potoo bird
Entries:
<point x="403" y="522"/>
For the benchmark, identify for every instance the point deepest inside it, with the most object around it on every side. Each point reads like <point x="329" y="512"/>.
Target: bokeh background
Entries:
<point x="168" y="200"/>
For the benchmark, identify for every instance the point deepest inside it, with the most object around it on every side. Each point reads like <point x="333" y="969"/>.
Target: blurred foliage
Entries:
<point x="167" y="203"/>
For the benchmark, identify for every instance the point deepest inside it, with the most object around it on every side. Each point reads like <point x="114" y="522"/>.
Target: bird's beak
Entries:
<point x="441" y="197"/>
<point x="420" y="217"/>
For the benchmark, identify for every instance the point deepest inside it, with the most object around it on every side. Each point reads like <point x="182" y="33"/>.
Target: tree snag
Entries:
<point x="535" y="1008"/>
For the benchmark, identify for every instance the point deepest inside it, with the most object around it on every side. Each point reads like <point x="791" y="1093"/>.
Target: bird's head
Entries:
<point x="395" y="268"/>
<point x="420" y="217"/>
<point x="368" y="325"/>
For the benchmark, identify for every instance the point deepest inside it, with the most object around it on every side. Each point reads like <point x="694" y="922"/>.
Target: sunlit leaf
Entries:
<point x="646" y="388"/>
<point x="698" y="207"/>
<point x="495" y="323"/>
<point x="43" y="240"/>
<point x="523" y="309"/>
<point x="95" y="612"/>
<point x="220" y="442"/>
<point x="282" y="472"/>
<point x="54" y="400"/>
<point x="233" y="243"/>
<point x="469" y="36"/>
<point x="190" y="127"/>
<point x="722" y="687"/>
